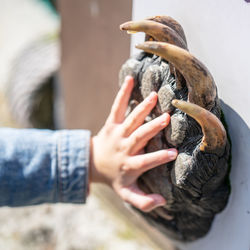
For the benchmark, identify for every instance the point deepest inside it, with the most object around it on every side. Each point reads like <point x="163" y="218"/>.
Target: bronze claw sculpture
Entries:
<point x="196" y="184"/>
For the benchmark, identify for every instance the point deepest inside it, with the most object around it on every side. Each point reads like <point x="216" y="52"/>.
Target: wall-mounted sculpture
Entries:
<point x="196" y="184"/>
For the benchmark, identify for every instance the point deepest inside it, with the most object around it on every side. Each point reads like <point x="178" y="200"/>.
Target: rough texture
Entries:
<point x="196" y="184"/>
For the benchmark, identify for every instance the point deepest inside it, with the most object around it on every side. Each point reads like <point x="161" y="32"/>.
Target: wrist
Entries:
<point x="94" y="173"/>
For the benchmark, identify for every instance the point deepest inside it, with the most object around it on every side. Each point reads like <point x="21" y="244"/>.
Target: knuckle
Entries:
<point x="139" y="165"/>
<point x="118" y="131"/>
<point x="123" y="145"/>
<point x="132" y="119"/>
<point x="131" y="167"/>
<point x="126" y="168"/>
<point x="136" y="139"/>
<point x="109" y="128"/>
<point x="162" y="157"/>
<point x="142" y="107"/>
<point x="142" y="163"/>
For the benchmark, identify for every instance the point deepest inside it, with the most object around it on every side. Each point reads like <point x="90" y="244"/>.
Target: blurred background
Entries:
<point x="59" y="64"/>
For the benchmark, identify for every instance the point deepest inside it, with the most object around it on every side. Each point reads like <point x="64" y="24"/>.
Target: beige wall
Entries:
<point x="93" y="49"/>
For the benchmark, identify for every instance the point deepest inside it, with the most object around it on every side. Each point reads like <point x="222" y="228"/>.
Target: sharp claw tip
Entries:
<point x="125" y="26"/>
<point x="122" y="27"/>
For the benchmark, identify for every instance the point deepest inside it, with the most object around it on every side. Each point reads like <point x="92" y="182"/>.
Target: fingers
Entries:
<point x="142" y="163"/>
<point x="120" y="104"/>
<point x="138" y="115"/>
<point x="139" y="138"/>
<point x="140" y="200"/>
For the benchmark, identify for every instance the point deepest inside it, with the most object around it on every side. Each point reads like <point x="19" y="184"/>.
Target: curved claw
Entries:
<point x="200" y="83"/>
<point x="158" y="31"/>
<point x="214" y="134"/>
<point x="172" y="23"/>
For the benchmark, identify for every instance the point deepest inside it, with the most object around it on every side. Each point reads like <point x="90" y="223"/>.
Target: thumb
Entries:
<point x="141" y="200"/>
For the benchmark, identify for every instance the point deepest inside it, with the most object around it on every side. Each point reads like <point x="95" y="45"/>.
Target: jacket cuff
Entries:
<point x="73" y="164"/>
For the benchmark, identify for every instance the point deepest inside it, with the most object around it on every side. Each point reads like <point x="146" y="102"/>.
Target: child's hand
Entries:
<point x="117" y="156"/>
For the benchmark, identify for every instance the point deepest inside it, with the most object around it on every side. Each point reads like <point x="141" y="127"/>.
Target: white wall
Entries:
<point x="218" y="33"/>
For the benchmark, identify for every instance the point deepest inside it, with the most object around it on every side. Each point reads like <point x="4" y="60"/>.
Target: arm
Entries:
<point x="41" y="166"/>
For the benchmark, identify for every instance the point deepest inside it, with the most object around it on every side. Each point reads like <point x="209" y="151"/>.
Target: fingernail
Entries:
<point x="160" y="202"/>
<point x="127" y="78"/>
<point x="172" y="153"/>
<point x="151" y="96"/>
<point x="164" y="119"/>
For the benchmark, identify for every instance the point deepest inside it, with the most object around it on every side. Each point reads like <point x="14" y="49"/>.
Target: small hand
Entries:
<point x="117" y="155"/>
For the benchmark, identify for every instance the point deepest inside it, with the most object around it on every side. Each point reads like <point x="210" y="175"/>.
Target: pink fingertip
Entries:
<point x="151" y="96"/>
<point x="161" y="201"/>
<point x="172" y="153"/>
<point x="158" y="200"/>
<point x="128" y="78"/>
<point x="165" y="119"/>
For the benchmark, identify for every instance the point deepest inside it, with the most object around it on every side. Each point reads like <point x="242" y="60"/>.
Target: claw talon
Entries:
<point x="200" y="83"/>
<point x="214" y="135"/>
<point x="158" y="31"/>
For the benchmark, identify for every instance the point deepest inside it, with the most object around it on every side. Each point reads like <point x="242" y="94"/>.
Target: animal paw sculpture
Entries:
<point x="196" y="184"/>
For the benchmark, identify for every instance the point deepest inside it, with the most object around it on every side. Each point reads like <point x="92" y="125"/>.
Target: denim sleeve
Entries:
<point x="43" y="166"/>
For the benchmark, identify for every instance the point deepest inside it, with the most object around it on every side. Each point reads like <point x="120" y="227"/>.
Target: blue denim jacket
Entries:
<point x="43" y="166"/>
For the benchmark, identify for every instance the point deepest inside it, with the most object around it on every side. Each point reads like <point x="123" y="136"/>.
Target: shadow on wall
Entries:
<point x="240" y="136"/>
<point x="233" y="223"/>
